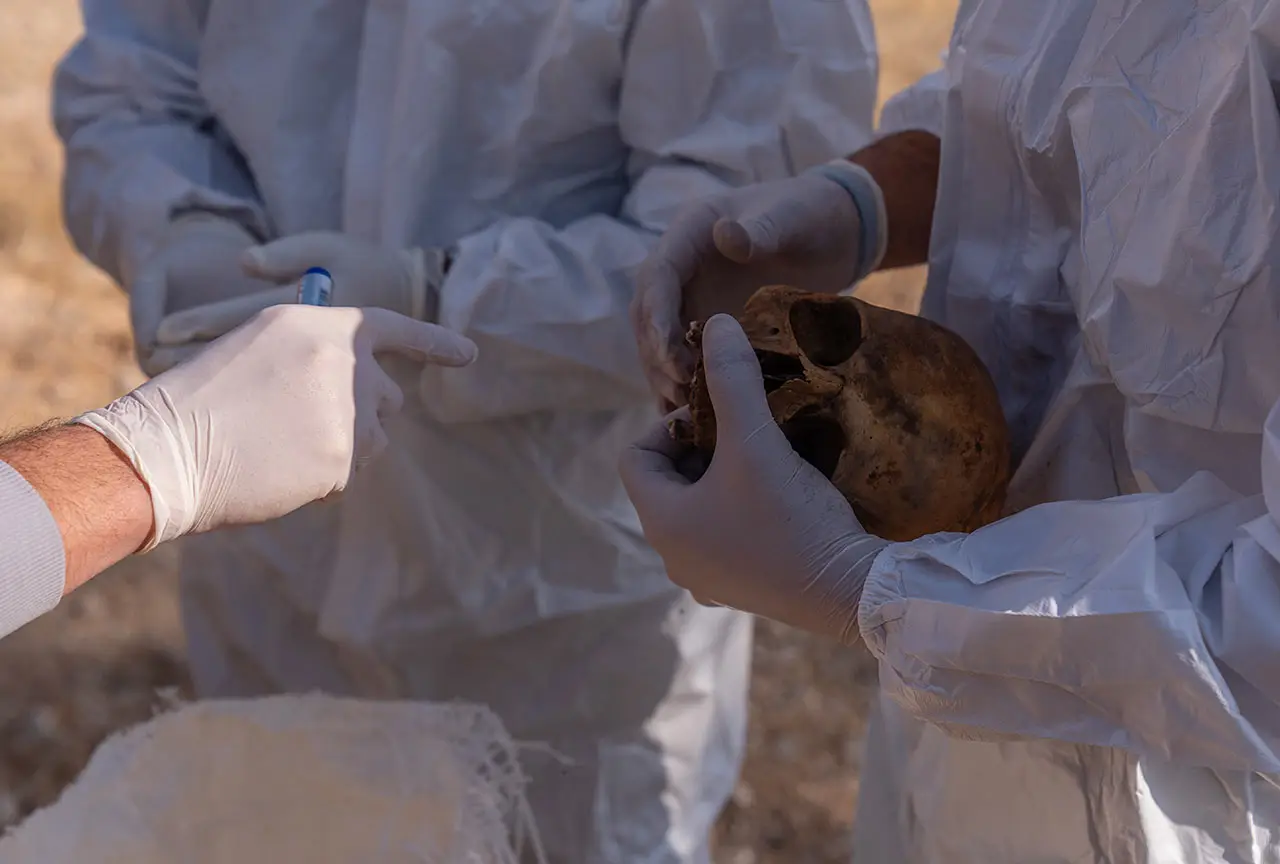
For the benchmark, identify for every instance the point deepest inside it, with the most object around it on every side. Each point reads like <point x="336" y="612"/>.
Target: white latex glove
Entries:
<point x="806" y="231"/>
<point x="761" y="530"/>
<point x="276" y="414"/>
<point x="364" y="275"/>
<point x="197" y="261"/>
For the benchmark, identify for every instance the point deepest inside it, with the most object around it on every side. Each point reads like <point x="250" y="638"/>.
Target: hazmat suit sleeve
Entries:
<point x="714" y="94"/>
<point x="141" y="144"/>
<point x="1149" y="622"/>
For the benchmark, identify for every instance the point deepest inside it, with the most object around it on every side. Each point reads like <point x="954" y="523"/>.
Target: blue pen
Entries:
<point x="315" y="288"/>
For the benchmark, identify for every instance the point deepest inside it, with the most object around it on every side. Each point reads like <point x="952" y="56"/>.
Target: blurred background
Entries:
<point x="112" y="654"/>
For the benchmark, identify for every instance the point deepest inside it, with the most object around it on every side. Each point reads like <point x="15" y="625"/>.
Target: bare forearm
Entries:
<point x="905" y="166"/>
<point x="100" y="504"/>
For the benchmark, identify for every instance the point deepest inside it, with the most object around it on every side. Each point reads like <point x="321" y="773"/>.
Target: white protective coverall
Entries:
<point x="1098" y="680"/>
<point x="492" y="554"/>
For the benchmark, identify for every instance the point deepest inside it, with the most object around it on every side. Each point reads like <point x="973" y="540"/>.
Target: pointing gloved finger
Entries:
<point x="207" y="322"/>
<point x="733" y="375"/>
<point x="286" y="259"/>
<point x="431" y="343"/>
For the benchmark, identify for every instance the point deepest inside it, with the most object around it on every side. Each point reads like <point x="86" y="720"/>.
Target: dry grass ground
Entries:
<point x="107" y="657"/>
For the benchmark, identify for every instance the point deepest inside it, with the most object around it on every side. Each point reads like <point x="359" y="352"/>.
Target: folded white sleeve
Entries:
<point x="1147" y="622"/>
<point x="140" y="142"/>
<point x="32" y="559"/>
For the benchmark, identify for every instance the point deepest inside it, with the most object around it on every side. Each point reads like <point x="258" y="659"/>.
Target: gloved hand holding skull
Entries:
<point x="820" y="417"/>
<point x="896" y="411"/>
<point x="824" y="417"/>
<point x="761" y="530"/>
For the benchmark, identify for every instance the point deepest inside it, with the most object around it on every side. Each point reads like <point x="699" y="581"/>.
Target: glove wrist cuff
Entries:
<point x="842" y="582"/>
<point x="868" y="200"/>
<point x="132" y="427"/>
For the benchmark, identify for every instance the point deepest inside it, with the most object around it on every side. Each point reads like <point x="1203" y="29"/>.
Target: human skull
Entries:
<point x="896" y="411"/>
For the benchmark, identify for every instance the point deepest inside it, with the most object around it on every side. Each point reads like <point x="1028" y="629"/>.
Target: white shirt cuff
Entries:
<point x="33" y="566"/>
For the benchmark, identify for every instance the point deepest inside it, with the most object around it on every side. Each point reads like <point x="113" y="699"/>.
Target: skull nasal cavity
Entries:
<point x="778" y="369"/>
<point x="827" y="333"/>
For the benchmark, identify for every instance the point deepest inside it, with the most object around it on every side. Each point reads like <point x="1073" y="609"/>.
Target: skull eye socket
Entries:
<point x="827" y="333"/>
<point x="817" y="438"/>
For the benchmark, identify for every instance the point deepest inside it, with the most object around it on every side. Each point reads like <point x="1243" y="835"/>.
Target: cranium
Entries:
<point x="898" y="412"/>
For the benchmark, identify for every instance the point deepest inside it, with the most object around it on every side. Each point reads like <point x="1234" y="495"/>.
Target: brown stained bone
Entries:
<point x="898" y="412"/>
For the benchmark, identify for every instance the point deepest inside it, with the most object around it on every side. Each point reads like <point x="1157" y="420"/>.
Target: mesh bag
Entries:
<point x="292" y="779"/>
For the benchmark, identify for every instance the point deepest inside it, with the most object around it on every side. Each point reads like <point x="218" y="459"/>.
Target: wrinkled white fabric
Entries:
<point x="1095" y="680"/>
<point x="291" y="779"/>
<point x="491" y="554"/>
<point x="761" y="529"/>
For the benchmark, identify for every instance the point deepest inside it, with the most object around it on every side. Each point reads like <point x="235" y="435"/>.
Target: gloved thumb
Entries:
<point x="287" y="259"/>
<point x="734" y="380"/>
<point x="747" y="240"/>
<point x="391" y="331"/>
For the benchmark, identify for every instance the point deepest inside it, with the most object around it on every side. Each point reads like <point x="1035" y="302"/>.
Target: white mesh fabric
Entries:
<point x="291" y="778"/>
